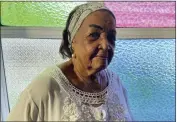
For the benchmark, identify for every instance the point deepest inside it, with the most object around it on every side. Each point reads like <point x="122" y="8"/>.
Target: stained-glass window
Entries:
<point x="43" y="14"/>
<point x="54" y="14"/>
<point x="145" y="66"/>
<point x="143" y="14"/>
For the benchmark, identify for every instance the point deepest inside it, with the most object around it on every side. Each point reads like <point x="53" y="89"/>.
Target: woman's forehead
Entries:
<point x="97" y="15"/>
<point x="99" y="20"/>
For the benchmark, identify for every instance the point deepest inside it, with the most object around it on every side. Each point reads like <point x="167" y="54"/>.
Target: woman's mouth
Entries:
<point x="102" y="56"/>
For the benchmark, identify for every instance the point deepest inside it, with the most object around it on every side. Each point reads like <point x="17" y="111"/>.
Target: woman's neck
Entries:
<point x="80" y="78"/>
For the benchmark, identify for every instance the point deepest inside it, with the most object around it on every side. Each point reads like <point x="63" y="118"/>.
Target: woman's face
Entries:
<point x="94" y="42"/>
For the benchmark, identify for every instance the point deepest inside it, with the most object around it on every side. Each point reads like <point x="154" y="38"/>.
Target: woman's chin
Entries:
<point x="99" y="64"/>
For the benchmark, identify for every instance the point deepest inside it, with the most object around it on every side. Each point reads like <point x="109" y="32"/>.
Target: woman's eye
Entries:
<point x="95" y="35"/>
<point x="111" y="38"/>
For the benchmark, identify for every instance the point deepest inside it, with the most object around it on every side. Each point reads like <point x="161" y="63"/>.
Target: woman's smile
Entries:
<point x="102" y="57"/>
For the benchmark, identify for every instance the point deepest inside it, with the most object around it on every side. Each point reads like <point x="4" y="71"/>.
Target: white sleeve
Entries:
<point x="124" y="91"/>
<point x="25" y="109"/>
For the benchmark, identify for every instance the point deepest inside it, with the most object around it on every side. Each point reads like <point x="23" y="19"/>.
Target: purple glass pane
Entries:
<point x="143" y="14"/>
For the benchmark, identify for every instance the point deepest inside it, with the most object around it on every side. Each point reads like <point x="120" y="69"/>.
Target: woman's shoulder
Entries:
<point x="110" y="74"/>
<point x="113" y="77"/>
<point x="44" y="84"/>
<point x="36" y="99"/>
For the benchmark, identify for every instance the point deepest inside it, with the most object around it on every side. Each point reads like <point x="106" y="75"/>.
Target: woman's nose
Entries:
<point x="105" y="43"/>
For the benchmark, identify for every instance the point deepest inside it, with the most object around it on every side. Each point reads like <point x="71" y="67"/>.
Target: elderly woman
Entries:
<point x="80" y="89"/>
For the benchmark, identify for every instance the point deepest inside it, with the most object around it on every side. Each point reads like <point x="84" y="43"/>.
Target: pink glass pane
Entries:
<point x="143" y="14"/>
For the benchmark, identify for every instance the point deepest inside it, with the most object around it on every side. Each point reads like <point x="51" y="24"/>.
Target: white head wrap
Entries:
<point x="81" y="13"/>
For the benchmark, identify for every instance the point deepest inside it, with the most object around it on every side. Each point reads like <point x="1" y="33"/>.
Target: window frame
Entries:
<point x="5" y="107"/>
<point x="56" y="32"/>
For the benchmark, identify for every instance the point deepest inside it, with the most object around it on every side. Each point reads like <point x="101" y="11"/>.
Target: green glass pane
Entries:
<point x="46" y="14"/>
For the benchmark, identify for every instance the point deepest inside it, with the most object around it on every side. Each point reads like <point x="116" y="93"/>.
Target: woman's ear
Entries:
<point x="74" y="40"/>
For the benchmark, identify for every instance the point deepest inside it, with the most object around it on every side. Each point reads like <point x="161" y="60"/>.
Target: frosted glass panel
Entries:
<point x="48" y="14"/>
<point x="24" y="59"/>
<point x="145" y="66"/>
<point x="147" y="69"/>
<point x="54" y="14"/>
<point x="143" y="14"/>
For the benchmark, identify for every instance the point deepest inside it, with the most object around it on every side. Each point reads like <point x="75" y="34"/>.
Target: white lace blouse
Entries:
<point x="51" y="97"/>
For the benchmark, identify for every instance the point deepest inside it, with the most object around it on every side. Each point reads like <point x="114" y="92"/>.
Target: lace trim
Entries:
<point x="111" y="110"/>
<point x="77" y="94"/>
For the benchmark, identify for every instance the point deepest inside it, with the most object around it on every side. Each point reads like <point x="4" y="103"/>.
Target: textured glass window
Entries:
<point x="24" y="59"/>
<point x="147" y="69"/>
<point x="145" y="66"/>
<point x="54" y="14"/>
<point x="143" y="14"/>
<point x="44" y="14"/>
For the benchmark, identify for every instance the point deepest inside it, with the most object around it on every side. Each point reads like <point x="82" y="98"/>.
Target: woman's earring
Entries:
<point x="73" y="55"/>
